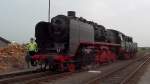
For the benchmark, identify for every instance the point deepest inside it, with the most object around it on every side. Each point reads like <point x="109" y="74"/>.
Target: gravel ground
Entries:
<point x="145" y="78"/>
<point x="82" y="77"/>
<point x="78" y="78"/>
<point x="142" y="76"/>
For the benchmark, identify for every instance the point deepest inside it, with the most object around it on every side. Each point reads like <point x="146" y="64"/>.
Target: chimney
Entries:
<point x="71" y="13"/>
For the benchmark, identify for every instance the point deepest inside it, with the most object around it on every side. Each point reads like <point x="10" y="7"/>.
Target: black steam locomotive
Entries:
<point x="70" y="43"/>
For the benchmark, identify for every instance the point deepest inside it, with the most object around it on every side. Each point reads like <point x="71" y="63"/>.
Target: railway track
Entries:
<point x="123" y="74"/>
<point x="83" y="77"/>
<point x="37" y="77"/>
<point x="13" y="77"/>
<point x="47" y="78"/>
<point x="30" y="77"/>
<point x="134" y="72"/>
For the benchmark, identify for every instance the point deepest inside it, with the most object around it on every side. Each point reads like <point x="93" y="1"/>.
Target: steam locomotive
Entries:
<point x="68" y="43"/>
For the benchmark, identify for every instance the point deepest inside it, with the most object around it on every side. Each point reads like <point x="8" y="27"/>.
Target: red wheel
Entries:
<point x="71" y="68"/>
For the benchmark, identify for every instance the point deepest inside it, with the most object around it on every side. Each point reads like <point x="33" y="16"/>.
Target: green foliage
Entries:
<point x="144" y="49"/>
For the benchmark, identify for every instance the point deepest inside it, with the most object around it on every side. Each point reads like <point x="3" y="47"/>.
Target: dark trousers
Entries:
<point x="31" y="53"/>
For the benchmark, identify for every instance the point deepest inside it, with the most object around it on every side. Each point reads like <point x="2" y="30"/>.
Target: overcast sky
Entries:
<point x="132" y="17"/>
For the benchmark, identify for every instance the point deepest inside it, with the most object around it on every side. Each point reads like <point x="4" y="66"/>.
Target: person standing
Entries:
<point x="31" y="50"/>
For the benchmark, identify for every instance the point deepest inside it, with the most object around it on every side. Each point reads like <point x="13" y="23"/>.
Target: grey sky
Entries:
<point x="132" y="17"/>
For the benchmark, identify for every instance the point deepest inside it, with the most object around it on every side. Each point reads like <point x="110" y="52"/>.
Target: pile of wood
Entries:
<point x="12" y="56"/>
